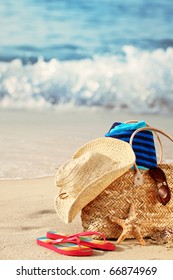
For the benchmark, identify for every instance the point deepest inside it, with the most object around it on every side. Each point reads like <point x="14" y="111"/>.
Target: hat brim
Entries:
<point x="69" y="207"/>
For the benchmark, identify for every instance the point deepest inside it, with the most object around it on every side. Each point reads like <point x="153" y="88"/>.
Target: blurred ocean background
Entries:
<point x="97" y="53"/>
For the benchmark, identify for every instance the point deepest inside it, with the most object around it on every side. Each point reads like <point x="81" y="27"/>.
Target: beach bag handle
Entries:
<point x="138" y="181"/>
<point x="158" y="139"/>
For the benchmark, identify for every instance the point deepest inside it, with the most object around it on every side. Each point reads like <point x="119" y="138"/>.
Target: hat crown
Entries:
<point x="79" y="172"/>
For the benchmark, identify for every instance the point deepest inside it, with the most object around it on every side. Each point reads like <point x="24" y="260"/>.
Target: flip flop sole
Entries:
<point x="69" y="249"/>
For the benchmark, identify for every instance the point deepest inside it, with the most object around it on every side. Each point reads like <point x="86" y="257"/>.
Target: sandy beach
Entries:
<point x="27" y="204"/>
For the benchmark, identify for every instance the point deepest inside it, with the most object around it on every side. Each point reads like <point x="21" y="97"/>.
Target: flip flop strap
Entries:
<point x="88" y="233"/>
<point x="74" y="239"/>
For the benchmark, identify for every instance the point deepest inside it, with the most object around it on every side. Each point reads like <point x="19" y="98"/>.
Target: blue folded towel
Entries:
<point x="143" y="142"/>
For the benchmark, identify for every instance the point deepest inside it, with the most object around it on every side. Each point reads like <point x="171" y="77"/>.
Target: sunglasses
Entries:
<point x="163" y="194"/>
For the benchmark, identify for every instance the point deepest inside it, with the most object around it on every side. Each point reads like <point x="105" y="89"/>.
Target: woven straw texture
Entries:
<point x="117" y="198"/>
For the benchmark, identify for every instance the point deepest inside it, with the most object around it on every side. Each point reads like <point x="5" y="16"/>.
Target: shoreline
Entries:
<point x="34" y="144"/>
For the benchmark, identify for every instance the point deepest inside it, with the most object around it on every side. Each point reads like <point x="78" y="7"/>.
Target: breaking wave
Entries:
<point x="136" y="80"/>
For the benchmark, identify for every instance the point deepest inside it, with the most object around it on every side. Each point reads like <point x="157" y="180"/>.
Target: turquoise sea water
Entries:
<point x="104" y="53"/>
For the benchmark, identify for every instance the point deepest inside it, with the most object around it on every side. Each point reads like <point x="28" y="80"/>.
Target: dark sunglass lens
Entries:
<point x="163" y="195"/>
<point x="163" y="192"/>
<point x="157" y="174"/>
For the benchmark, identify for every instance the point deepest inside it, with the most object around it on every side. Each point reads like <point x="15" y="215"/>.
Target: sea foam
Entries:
<point x="138" y="80"/>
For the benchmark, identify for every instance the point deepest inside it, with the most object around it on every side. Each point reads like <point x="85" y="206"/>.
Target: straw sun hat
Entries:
<point x="93" y="168"/>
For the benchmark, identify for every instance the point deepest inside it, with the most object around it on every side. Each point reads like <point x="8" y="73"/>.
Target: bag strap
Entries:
<point x="158" y="139"/>
<point x="138" y="181"/>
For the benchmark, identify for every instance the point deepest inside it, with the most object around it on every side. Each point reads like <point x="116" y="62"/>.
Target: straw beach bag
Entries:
<point x="136" y="187"/>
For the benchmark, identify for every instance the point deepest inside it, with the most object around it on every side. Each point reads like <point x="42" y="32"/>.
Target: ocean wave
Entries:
<point x="139" y="81"/>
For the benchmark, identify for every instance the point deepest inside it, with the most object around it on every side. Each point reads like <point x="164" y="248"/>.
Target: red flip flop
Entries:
<point x="65" y="246"/>
<point x="86" y="240"/>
